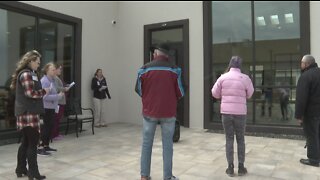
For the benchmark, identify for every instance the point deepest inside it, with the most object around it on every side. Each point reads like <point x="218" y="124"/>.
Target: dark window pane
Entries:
<point x="277" y="32"/>
<point x="16" y="37"/>
<point x="231" y="35"/>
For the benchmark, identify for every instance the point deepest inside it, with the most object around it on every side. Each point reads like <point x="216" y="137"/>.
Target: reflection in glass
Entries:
<point x="54" y="40"/>
<point x="56" y="45"/>
<point x="11" y="43"/>
<point x="275" y="67"/>
<point x="277" y="61"/>
<point x="231" y="35"/>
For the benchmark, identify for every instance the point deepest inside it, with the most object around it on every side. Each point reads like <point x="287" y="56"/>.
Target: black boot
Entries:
<point x="39" y="177"/>
<point x="242" y="170"/>
<point x="21" y="169"/>
<point x="230" y="170"/>
<point x="21" y="173"/>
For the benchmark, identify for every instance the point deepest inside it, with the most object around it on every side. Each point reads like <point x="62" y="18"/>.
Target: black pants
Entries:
<point x="284" y="101"/>
<point x="46" y="128"/>
<point x="28" y="151"/>
<point x="311" y="128"/>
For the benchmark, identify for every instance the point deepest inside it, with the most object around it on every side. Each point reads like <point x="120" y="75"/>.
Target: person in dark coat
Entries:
<point x="100" y="92"/>
<point x="307" y="110"/>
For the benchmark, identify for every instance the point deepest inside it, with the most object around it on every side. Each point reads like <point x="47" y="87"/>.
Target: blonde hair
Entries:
<point x="47" y="66"/>
<point x="24" y="62"/>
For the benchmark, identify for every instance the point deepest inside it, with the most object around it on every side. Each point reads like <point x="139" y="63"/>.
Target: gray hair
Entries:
<point x="308" y="59"/>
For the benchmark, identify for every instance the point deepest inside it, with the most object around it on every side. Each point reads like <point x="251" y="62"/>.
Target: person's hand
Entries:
<point x="66" y="89"/>
<point x="300" y="121"/>
<point x="61" y="94"/>
<point x="47" y="90"/>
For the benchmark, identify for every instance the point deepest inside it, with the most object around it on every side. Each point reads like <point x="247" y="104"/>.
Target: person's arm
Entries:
<point x="28" y="85"/>
<point x="302" y="95"/>
<point x="138" y="87"/>
<point x="216" y="89"/>
<point x="59" y="85"/>
<point x="94" y="84"/>
<point x="250" y="88"/>
<point x="107" y="90"/>
<point x="179" y="86"/>
<point x="49" y="97"/>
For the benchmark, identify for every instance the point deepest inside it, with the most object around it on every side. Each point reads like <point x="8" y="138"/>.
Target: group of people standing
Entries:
<point x="44" y="100"/>
<point x="160" y="87"/>
<point x="35" y="97"/>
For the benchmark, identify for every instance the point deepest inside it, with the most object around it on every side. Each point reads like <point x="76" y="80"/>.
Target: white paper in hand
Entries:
<point x="72" y="84"/>
<point x="102" y="88"/>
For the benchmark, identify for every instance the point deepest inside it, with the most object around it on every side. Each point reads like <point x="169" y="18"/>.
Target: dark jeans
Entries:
<point x="28" y="151"/>
<point x="234" y="124"/>
<point x="311" y="129"/>
<point x="46" y="128"/>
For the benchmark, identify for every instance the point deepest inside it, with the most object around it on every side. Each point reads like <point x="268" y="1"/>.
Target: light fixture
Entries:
<point x="261" y="21"/>
<point x="274" y="19"/>
<point x="288" y="18"/>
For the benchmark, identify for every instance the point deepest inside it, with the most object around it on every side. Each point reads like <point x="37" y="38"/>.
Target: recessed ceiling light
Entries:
<point x="261" y="21"/>
<point x="288" y="18"/>
<point x="274" y="19"/>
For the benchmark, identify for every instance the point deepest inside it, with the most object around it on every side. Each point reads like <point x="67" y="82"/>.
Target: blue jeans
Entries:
<point x="167" y="131"/>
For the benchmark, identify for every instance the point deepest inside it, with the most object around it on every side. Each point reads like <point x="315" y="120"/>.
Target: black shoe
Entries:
<point x="42" y="152"/>
<point x="21" y="173"/>
<point x="40" y="177"/>
<point x="308" y="162"/>
<point x="230" y="170"/>
<point x="242" y="170"/>
<point x="47" y="148"/>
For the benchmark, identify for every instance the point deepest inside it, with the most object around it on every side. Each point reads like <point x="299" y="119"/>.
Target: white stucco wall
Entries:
<point x="132" y="16"/>
<point x="118" y="49"/>
<point x="315" y="29"/>
<point x="99" y="42"/>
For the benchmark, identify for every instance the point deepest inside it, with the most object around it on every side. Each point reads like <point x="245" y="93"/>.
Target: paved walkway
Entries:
<point x="113" y="153"/>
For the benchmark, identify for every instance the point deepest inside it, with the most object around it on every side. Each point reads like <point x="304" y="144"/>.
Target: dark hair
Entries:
<point x="95" y="74"/>
<point x="235" y="62"/>
<point x="58" y="65"/>
<point x="32" y="55"/>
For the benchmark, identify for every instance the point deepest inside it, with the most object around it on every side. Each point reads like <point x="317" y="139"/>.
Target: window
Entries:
<point x="271" y="37"/>
<point x="55" y="36"/>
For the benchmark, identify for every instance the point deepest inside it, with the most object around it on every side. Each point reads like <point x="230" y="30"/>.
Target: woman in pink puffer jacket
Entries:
<point x="234" y="88"/>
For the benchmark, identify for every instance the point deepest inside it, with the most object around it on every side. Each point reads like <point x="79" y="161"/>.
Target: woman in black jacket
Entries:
<point x="100" y="90"/>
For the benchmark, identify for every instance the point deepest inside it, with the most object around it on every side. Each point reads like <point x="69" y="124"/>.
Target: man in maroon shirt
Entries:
<point x="159" y="85"/>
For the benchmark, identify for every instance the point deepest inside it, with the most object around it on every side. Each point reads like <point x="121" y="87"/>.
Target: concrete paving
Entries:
<point x="113" y="153"/>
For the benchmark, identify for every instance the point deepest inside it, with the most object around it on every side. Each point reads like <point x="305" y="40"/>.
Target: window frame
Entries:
<point x="41" y="13"/>
<point x="304" y="7"/>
